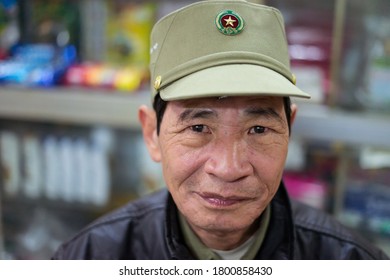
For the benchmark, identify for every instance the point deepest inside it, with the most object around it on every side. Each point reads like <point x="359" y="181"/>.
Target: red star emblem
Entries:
<point x="229" y="21"/>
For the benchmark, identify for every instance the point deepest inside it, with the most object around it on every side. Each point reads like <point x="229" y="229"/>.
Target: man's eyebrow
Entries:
<point x="268" y="113"/>
<point x="190" y="114"/>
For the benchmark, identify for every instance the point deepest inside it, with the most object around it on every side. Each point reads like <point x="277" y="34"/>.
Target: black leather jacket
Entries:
<point x="149" y="229"/>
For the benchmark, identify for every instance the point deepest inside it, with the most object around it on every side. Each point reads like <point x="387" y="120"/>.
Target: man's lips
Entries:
<point x="222" y="201"/>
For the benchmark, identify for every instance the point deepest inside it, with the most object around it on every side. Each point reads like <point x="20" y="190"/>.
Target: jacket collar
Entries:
<point x="279" y="240"/>
<point x="173" y="235"/>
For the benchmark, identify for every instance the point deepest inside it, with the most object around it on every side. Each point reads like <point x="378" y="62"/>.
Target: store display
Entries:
<point x="32" y="166"/>
<point x="98" y="75"/>
<point x="78" y="181"/>
<point x="56" y="23"/>
<point x="98" y="169"/>
<point x="36" y="239"/>
<point x="307" y="189"/>
<point x="58" y="168"/>
<point x="309" y="35"/>
<point x="127" y="33"/>
<point x="66" y="185"/>
<point x="10" y="162"/>
<point x="123" y="65"/>
<point x="9" y="31"/>
<point x="52" y="168"/>
<point x="310" y="52"/>
<point x="40" y="55"/>
<point x="36" y="65"/>
<point x="366" y="206"/>
<point x="379" y="63"/>
<point x="100" y="149"/>
<point x="364" y="65"/>
<point x="82" y="177"/>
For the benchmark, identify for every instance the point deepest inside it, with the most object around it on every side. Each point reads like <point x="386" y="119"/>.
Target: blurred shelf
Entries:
<point x="117" y="109"/>
<point x="72" y="106"/>
<point x="318" y="122"/>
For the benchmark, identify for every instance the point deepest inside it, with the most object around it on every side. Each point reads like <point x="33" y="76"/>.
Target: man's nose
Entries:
<point x="228" y="160"/>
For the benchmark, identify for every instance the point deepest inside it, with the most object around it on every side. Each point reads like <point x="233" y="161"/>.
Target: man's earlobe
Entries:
<point x="148" y="121"/>
<point x="294" y="110"/>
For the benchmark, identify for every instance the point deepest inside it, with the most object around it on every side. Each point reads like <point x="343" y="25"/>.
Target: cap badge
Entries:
<point x="294" y="79"/>
<point x="229" y="22"/>
<point x="157" y="83"/>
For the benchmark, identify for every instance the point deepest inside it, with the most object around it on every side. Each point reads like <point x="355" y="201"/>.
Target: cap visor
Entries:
<point x="231" y="80"/>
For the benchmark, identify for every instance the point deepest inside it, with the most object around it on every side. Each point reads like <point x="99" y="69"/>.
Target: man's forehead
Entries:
<point x="246" y="107"/>
<point x="228" y="101"/>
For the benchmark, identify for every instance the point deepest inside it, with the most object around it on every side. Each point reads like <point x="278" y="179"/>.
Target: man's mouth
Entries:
<point x="222" y="201"/>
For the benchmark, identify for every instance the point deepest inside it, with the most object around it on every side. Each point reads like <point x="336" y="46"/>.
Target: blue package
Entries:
<point x="37" y="64"/>
<point x="8" y="4"/>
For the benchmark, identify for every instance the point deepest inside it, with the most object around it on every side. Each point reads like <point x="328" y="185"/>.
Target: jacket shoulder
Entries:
<point x="321" y="236"/>
<point x="112" y="235"/>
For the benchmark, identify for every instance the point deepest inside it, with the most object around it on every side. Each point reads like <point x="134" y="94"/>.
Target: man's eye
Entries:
<point x="199" y="128"/>
<point x="257" y="129"/>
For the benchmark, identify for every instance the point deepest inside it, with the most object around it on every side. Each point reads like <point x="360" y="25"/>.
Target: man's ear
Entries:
<point x="294" y="110"/>
<point x="147" y="118"/>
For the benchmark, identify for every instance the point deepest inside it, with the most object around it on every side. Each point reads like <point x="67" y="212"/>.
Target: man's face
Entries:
<point x="222" y="159"/>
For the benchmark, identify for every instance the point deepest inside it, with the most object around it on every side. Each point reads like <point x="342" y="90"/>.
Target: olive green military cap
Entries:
<point x="221" y="48"/>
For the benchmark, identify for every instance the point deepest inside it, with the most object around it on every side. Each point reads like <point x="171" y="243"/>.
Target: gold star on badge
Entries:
<point x="230" y="21"/>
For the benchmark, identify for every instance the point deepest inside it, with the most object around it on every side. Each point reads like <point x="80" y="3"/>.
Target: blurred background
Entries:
<point x="73" y="73"/>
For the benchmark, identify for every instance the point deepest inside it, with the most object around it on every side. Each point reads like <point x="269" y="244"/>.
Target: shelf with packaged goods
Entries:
<point x="72" y="106"/>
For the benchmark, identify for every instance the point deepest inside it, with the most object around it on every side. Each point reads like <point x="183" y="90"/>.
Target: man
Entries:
<point x="220" y="128"/>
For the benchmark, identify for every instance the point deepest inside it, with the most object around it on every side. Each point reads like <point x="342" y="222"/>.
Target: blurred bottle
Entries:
<point x="10" y="162"/>
<point x="32" y="166"/>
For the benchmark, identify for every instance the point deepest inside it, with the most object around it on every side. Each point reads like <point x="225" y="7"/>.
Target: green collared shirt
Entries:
<point x="204" y="253"/>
